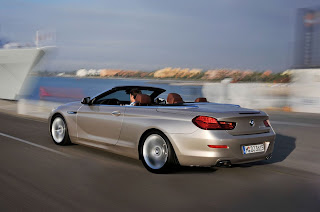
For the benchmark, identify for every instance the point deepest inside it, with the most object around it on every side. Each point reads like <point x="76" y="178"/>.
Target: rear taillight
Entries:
<point x="266" y="123"/>
<point x="209" y="123"/>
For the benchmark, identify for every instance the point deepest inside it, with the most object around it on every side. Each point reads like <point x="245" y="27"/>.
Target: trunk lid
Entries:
<point x="248" y="121"/>
<point x="247" y="124"/>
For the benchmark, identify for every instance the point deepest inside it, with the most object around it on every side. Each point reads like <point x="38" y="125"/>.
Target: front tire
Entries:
<point x="157" y="154"/>
<point x="59" y="131"/>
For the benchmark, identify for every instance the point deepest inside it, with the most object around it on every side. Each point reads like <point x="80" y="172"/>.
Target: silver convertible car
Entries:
<point x="164" y="133"/>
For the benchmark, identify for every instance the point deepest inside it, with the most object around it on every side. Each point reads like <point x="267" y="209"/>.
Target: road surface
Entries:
<point x="37" y="175"/>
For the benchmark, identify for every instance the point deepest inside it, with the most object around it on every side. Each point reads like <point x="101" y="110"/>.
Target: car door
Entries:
<point x="100" y="123"/>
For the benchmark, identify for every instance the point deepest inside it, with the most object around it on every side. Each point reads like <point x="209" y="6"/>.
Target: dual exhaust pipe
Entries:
<point x="224" y="163"/>
<point x="227" y="163"/>
<point x="269" y="157"/>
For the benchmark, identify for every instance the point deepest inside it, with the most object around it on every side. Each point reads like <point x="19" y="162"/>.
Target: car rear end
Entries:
<point x="231" y="137"/>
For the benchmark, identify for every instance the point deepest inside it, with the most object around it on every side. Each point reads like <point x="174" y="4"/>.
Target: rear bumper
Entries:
<point x="192" y="149"/>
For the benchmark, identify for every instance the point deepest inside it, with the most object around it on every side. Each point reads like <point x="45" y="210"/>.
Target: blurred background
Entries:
<point x="261" y="55"/>
<point x="257" y="54"/>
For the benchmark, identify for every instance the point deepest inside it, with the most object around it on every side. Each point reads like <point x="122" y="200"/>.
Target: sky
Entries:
<point x="151" y="34"/>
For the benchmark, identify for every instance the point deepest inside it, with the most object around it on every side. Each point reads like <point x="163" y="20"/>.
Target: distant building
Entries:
<point x="307" y="40"/>
<point x="93" y="72"/>
<point x="82" y="73"/>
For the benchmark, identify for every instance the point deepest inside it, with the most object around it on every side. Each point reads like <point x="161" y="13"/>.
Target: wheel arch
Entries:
<point x="66" y="140"/>
<point x="154" y="130"/>
<point x="142" y="137"/>
<point x="55" y="115"/>
<point x="52" y="118"/>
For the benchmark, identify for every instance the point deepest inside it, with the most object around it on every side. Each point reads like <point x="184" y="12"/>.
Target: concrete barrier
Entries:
<point x="301" y="95"/>
<point x="305" y="90"/>
<point x="250" y="95"/>
<point x="36" y="108"/>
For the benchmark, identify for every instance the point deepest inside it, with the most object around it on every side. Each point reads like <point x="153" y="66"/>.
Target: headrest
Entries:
<point x="143" y="99"/>
<point x="201" y="99"/>
<point x="174" y="98"/>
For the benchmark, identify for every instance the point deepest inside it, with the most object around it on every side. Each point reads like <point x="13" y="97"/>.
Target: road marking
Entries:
<point x="294" y="124"/>
<point x="33" y="144"/>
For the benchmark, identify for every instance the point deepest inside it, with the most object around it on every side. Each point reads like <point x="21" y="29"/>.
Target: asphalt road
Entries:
<point x="37" y="175"/>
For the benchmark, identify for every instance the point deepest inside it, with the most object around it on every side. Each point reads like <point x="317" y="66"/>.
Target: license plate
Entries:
<point x="253" y="149"/>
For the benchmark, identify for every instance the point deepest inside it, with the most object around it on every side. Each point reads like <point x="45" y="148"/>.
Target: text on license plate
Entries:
<point x="253" y="148"/>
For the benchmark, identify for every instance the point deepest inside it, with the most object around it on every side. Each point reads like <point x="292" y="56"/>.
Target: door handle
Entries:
<point x="116" y="113"/>
<point x="72" y="112"/>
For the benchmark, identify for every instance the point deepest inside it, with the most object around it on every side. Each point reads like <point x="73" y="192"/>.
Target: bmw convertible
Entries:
<point x="164" y="132"/>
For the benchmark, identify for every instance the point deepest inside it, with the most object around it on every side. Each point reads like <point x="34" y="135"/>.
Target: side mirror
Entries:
<point x="86" y="101"/>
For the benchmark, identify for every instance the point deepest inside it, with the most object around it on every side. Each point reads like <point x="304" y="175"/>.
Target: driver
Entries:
<point x="133" y="94"/>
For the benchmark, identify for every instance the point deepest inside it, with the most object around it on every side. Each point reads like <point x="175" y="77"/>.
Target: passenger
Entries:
<point x="133" y="94"/>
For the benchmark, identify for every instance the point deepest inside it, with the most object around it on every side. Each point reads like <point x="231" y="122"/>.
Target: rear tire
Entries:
<point x="59" y="131"/>
<point x="157" y="153"/>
